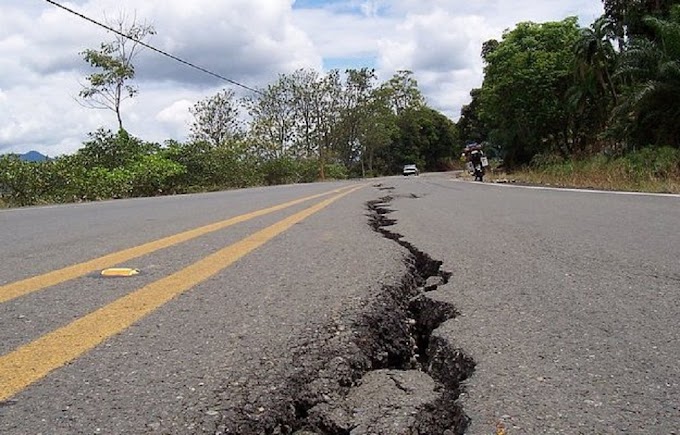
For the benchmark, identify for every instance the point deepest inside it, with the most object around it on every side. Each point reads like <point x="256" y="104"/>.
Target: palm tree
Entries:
<point x="593" y="92"/>
<point x="653" y="68"/>
<point x="596" y="56"/>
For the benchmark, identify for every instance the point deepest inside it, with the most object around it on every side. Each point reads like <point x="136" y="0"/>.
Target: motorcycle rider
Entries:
<point x="474" y="154"/>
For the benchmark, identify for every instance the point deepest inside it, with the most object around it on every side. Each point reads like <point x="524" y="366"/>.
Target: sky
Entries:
<point x="248" y="41"/>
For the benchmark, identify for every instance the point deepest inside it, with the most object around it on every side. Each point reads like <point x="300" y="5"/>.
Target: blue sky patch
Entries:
<point x="343" y="63"/>
<point x="338" y="6"/>
<point x="312" y="4"/>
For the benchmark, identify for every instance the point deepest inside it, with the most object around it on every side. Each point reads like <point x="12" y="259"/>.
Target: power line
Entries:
<point x="150" y="47"/>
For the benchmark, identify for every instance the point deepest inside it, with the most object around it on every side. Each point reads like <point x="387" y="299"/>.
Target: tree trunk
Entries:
<point x="119" y="95"/>
<point x="322" y="173"/>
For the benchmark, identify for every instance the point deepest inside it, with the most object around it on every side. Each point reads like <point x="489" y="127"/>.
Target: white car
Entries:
<point x="411" y="170"/>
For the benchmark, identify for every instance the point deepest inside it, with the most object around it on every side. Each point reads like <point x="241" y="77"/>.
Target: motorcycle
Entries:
<point x="478" y="171"/>
<point x="476" y="161"/>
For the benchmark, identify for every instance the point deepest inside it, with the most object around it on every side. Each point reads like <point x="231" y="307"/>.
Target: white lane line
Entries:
<point x="565" y="189"/>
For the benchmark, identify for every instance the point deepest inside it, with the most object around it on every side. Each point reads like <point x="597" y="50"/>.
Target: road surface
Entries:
<point x="399" y="305"/>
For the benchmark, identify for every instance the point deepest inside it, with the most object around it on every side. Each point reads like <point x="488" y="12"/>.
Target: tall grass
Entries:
<point x="645" y="170"/>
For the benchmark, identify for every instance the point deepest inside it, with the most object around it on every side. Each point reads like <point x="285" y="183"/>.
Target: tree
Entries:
<point x="109" y="150"/>
<point x="650" y="111"/>
<point x="272" y="119"/>
<point x="298" y="116"/>
<point x="354" y="117"/>
<point x="109" y="86"/>
<point x="379" y="134"/>
<point x="402" y="91"/>
<point x="470" y="126"/>
<point x="424" y="137"/>
<point x="628" y="16"/>
<point x="523" y="94"/>
<point x="307" y="92"/>
<point x="594" y="92"/>
<point x="327" y="117"/>
<point x="217" y="119"/>
<point x="596" y="56"/>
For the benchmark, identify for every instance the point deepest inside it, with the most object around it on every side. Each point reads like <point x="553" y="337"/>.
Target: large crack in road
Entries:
<point x="434" y="354"/>
<point x="380" y="369"/>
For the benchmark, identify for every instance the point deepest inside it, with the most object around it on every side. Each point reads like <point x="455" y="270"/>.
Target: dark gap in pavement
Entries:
<point x="382" y="187"/>
<point x="393" y="332"/>
<point x="434" y="355"/>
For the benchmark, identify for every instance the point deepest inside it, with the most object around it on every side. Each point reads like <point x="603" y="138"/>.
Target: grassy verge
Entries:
<point x="647" y="170"/>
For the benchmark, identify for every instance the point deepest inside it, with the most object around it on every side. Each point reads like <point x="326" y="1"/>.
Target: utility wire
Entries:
<point x="150" y="47"/>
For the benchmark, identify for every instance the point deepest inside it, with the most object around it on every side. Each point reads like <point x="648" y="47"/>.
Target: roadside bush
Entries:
<point x="212" y="168"/>
<point x="546" y="159"/>
<point x="67" y="176"/>
<point x="109" y="150"/>
<point x="287" y="170"/>
<point x="651" y="162"/>
<point x="102" y="183"/>
<point x="647" y="169"/>
<point x="335" y="171"/>
<point x="23" y="183"/>
<point x="283" y="170"/>
<point x="153" y="175"/>
<point x="309" y="170"/>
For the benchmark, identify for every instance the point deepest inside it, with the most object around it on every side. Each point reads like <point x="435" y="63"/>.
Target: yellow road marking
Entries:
<point x="35" y="360"/>
<point x="30" y="285"/>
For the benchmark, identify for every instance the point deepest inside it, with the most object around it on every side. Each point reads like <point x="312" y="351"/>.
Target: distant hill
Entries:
<point x="33" y="156"/>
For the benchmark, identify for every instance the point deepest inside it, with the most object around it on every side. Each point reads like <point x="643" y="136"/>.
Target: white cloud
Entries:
<point x="176" y="118"/>
<point x="176" y="113"/>
<point x="343" y="34"/>
<point x="250" y="41"/>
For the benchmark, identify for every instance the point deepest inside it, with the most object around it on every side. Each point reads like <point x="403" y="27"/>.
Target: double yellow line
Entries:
<point x="33" y="361"/>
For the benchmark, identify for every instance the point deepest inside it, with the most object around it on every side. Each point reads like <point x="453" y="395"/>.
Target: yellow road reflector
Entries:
<point x="120" y="271"/>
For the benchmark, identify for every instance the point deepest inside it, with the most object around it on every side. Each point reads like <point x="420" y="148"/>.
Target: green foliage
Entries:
<point x="546" y="159"/>
<point x="337" y="119"/>
<point x="594" y="91"/>
<point x="471" y="128"/>
<point x="109" y="85"/>
<point x="648" y="169"/>
<point x="108" y="150"/>
<point x="102" y="183"/>
<point x="213" y="168"/>
<point x="196" y="158"/>
<point x="402" y="92"/>
<point x="284" y="170"/>
<point x="336" y="171"/>
<point x="153" y="175"/>
<point x="108" y="166"/>
<point x="115" y="71"/>
<point x="628" y="16"/>
<point x="355" y="120"/>
<point x="305" y="127"/>
<point x="288" y="170"/>
<point x="22" y="183"/>
<point x="424" y="137"/>
<point x="650" y="162"/>
<point x="216" y="119"/>
<point x="67" y="180"/>
<point x="554" y="94"/>
<point x="526" y="78"/>
<point x="650" y="109"/>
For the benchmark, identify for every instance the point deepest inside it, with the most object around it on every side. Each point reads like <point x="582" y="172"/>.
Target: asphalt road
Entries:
<point x="298" y="318"/>
<point x="569" y="303"/>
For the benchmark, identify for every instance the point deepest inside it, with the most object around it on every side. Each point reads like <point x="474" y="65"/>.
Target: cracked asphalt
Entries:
<point x="567" y="302"/>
